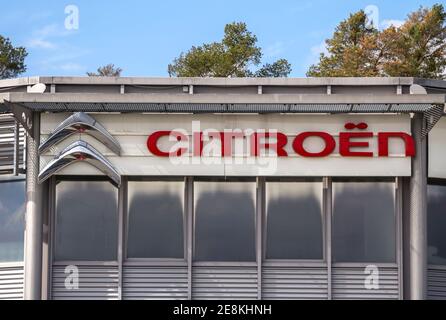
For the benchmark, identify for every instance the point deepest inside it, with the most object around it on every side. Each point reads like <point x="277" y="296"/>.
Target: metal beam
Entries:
<point x="33" y="217"/>
<point x="23" y="115"/>
<point x="111" y="98"/>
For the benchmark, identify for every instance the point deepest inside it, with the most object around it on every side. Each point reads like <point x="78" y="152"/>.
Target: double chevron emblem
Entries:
<point x="80" y="123"/>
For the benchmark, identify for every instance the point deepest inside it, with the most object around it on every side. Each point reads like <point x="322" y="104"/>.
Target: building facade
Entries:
<point x="193" y="188"/>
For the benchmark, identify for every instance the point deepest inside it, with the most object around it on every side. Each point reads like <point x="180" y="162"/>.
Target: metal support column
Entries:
<point x="33" y="217"/>
<point x="189" y="211"/>
<point x="122" y="207"/>
<point x="418" y="215"/>
<point x="327" y="209"/>
<point x="260" y="213"/>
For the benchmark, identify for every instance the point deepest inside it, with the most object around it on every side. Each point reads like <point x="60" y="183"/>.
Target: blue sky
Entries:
<point x="143" y="37"/>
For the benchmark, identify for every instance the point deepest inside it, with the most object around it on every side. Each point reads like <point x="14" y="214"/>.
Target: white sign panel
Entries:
<point x="437" y="150"/>
<point x="246" y="144"/>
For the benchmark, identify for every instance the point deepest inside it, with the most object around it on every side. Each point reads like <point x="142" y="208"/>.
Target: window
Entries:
<point x="294" y="220"/>
<point x="225" y="221"/>
<point x="12" y="220"/>
<point x="363" y="222"/>
<point x="155" y="219"/>
<point x="86" y="221"/>
<point x="436" y="224"/>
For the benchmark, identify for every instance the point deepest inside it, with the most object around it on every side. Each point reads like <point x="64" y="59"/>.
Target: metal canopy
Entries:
<point x="224" y="103"/>
<point x="229" y="108"/>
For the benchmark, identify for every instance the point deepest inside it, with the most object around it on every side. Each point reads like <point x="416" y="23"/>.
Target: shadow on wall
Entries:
<point x="363" y="222"/>
<point x="225" y="226"/>
<point x="294" y="228"/>
<point x="86" y="221"/>
<point x="155" y="226"/>
<point x="436" y="224"/>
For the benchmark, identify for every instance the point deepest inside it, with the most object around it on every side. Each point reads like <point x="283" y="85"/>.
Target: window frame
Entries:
<point x="260" y="229"/>
<point x="435" y="182"/>
<point x="397" y="210"/>
<point x="324" y="209"/>
<point x="11" y="179"/>
<point x="125" y="229"/>
<point x="222" y="179"/>
<point x="52" y="194"/>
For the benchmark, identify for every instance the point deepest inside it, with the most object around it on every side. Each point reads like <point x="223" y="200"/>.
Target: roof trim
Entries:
<point x="160" y="81"/>
<point x="19" y="97"/>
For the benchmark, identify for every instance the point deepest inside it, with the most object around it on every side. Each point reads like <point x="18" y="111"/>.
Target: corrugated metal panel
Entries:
<point x="408" y="107"/>
<point x="11" y="281"/>
<point x="85" y="107"/>
<point x="436" y="282"/>
<point x="224" y="283"/>
<point x="47" y="106"/>
<point x="348" y="283"/>
<point x="154" y="282"/>
<point x="371" y="107"/>
<point x="7" y="144"/>
<point x="294" y="283"/>
<point x="96" y="282"/>
<point x="317" y="108"/>
<point x="195" y="108"/>
<point x="135" y="107"/>
<point x="258" y="108"/>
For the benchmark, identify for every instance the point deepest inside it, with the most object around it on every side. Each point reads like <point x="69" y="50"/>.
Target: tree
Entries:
<point x="106" y="71"/>
<point x="350" y="51"/>
<point x="231" y="57"/>
<point x="416" y="49"/>
<point x="12" y="59"/>
<point x="280" y="68"/>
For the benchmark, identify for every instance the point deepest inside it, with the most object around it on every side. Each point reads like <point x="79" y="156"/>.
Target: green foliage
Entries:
<point x="108" y="70"/>
<point x="12" y="59"/>
<point x="416" y="49"/>
<point x="232" y="57"/>
<point x="280" y="68"/>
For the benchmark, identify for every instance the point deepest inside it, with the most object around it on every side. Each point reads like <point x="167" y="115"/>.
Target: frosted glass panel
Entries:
<point x="86" y="221"/>
<point x="294" y="220"/>
<point x="12" y="220"/>
<point x="225" y="221"/>
<point x="364" y="222"/>
<point x="155" y="219"/>
<point x="436" y="224"/>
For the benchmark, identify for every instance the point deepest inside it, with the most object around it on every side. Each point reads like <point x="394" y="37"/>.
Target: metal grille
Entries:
<point x="96" y="282"/>
<point x="8" y="143"/>
<point x="224" y="283"/>
<point x="410" y="107"/>
<point x="227" y="108"/>
<point x="260" y="108"/>
<point x="11" y="281"/>
<point x="294" y="283"/>
<point x="430" y="118"/>
<point x="348" y="284"/>
<point x="371" y="107"/>
<point x="316" y="108"/>
<point x="436" y="282"/>
<point x="195" y="108"/>
<point x="154" y="282"/>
